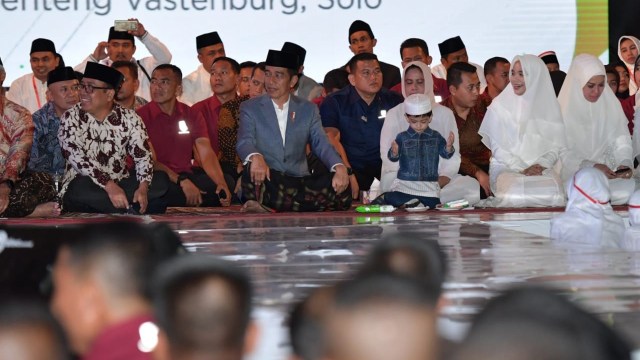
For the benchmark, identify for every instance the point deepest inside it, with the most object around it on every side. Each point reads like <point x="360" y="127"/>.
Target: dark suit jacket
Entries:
<point x="259" y="133"/>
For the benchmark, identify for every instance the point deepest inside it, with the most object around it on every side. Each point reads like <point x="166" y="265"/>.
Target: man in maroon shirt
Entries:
<point x="101" y="295"/>
<point x="414" y="49"/>
<point x="496" y="72"/>
<point x="175" y="131"/>
<point x="464" y="86"/>
<point x="225" y="79"/>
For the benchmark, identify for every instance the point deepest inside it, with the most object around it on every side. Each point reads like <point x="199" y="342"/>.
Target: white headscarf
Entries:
<point x="633" y="87"/>
<point x="631" y="240"/>
<point x="591" y="128"/>
<point x="588" y="217"/>
<point x="428" y="80"/>
<point x="530" y="125"/>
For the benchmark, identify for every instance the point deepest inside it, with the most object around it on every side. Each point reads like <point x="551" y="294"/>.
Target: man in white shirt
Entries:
<point x="452" y="51"/>
<point x="197" y="86"/>
<point x="121" y="46"/>
<point x="30" y="90"/>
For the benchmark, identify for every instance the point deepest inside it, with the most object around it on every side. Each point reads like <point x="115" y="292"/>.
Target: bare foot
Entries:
<point x="253" y="207"/>
<point x="49" y="209"/>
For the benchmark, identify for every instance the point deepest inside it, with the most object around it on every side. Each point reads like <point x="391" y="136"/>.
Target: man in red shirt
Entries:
<point x="101" y="288"/>
<point x="175" y="131"/>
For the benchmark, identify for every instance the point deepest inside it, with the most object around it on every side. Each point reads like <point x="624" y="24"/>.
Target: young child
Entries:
<point x="418" y="149"/>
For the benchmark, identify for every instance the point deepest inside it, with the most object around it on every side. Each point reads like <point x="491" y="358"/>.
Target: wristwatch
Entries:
<point x="180" y="178"/>
<point x="349" y="171"/>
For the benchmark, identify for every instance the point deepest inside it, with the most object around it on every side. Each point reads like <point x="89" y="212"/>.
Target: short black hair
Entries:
<point x="185" y="311"/>
<point x="335" y="79"/>
<point x="234" y="64"/>
<point x="537" y="323"/>
<point x="248" y="64"/>
<point x="353" y="63"/>
<point x="491" y="64"/>
<point x="16" y="312"/>
<point x="306" y="330"/>
<point x="133" y="67"/>
<point x="126" y="254"/>
<point x="176" y="70"/>
<point x="414" y="42"/>
<point x="454" y="73"/>
<point x="259" y="66"/>
<point x="422" y="259"/>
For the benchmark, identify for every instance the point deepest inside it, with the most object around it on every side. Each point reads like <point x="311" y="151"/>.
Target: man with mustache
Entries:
<point x="29" y="90"/>
<point x="353" y="119"/>
<point x="121" y="46"/>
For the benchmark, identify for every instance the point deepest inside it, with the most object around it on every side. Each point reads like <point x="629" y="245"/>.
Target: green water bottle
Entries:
<point x="375" y="208"/>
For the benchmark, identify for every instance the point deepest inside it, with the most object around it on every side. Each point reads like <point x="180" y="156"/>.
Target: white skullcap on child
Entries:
<point x="417" y="104"/>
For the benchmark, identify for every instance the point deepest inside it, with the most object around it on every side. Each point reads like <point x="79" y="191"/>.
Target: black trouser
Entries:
<point x="175" y="196"/>
<point x="365" y="175"/>
<point x="288" y="193"/>
<point x="83" y="195"/>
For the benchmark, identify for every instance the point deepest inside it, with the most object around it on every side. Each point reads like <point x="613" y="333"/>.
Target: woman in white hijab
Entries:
<point x="588" y="218"/>
<point x="631" y="240"/>
<point x="627" y="52"/>
<point x="524" y="130"/>
<point x="417" y="79"/>
<point x="596" y="127"/>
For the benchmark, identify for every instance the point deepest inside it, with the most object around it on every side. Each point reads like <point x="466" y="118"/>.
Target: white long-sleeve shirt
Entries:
<point x="29" y="92"/>
<point x="196" y="86"/>
<point x="160" y="54"/>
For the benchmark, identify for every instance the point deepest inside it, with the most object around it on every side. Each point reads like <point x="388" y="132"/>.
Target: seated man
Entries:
<point x="452" y="51"/>
<point x="475" y="156"/>
<point x="175" y="131"/>
<point x="62" y="91"/>
<point x="274" y="132"/>
<point x="121" y="46"/>
<point x="30" y="90"/>
<point x="197" y="85"/>
<point x="96" y="137"/>
<point x="126" y="96"/>
<point x="496" y="72"/>
<point x="353" y="118"/>
<point x="246" y="68"/>
<point x="22" y="193"/>
<point x="203" y="308"/>
<point x="101" y="294"/>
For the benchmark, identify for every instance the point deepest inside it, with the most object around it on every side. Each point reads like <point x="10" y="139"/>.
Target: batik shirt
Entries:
<point x="99" y="149"/>
<point x="46" y="155"/>
<point x="16" y="136"/>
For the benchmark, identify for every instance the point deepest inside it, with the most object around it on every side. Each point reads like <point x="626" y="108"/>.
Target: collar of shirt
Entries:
<point x="413" y="133"/>
<point x="282" y="116"/>
<point x="355" y="98"/>
<point x="178" y="111"/>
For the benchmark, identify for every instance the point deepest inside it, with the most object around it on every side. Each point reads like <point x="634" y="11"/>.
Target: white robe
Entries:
<point x="29" y="92"/>
<point x="196" y="86"/>
<point x="160" y="54"/>
<point x="597" y="133"/>
<point x="443" y="121"/>
<point x="521" y="131"/>
<point x="588" y="218"/>
<point x="631" y="240"/>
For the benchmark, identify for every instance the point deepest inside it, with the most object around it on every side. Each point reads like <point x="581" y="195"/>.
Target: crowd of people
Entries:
<point x="123" y="290"/>
<point x="118" y="134"/>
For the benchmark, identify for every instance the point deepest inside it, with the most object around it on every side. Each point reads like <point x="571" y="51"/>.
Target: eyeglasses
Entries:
<point x="88" y="88"/>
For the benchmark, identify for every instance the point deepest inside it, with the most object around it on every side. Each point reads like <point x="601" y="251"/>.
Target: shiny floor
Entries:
<point x="288" y="255"/>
